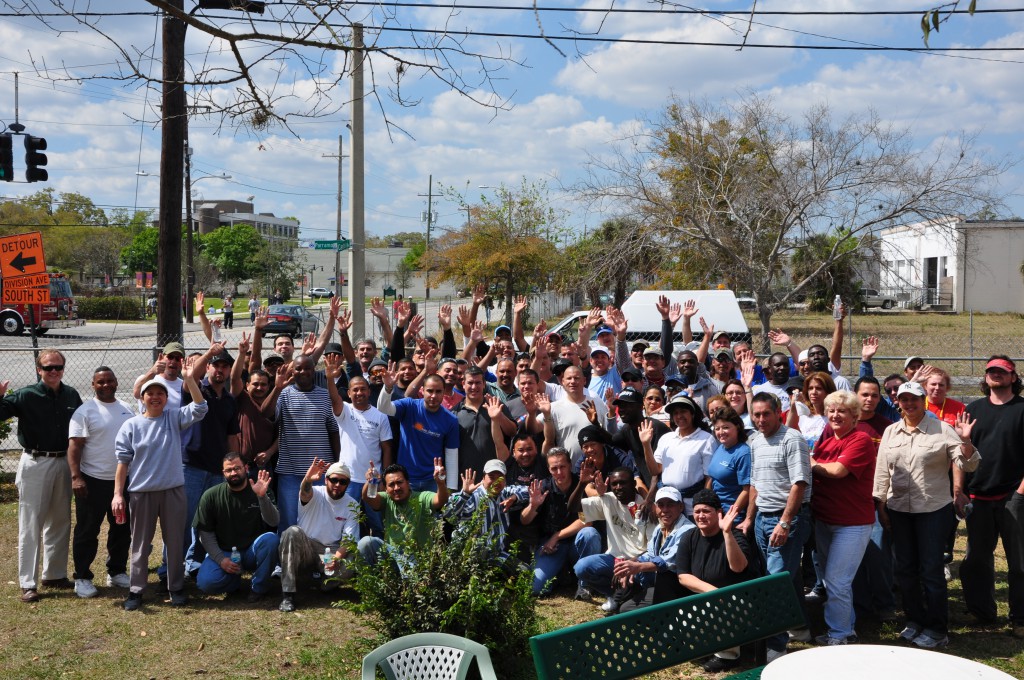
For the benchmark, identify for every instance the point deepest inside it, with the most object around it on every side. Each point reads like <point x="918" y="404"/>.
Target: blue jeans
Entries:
<point x="288" y="499"/>
<point x="595" y="572"/>
<point x="917" y="539"/>
<point x="423" y="485"/>
<point x="374" y="520"/>
<point x="785" y="557"/>
<point x="872" y="586"/>
<point x="260" y="558"/>
<point x="585" y="543"/>
<point x="840" y="550"/>
<point x="197" y="481"/>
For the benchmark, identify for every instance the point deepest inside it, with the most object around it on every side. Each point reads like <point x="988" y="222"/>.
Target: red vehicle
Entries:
<point x="62" y="312"/>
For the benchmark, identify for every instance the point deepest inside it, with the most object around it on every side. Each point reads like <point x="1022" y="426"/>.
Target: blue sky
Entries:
<point x="562" y="107"/>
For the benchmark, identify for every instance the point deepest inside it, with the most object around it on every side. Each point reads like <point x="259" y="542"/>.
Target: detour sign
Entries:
<point x="25" y="296"/>
<point x="22" y="254"/>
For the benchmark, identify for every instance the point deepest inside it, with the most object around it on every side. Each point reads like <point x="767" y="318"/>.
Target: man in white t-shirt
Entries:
<point x="568" y="415"/>
<point x="91" y="434"/>
<point x="167" y="370"/>
<point x="366" y="439"/>
<point x="328" y="520"/>
<point x="778" y="379"/>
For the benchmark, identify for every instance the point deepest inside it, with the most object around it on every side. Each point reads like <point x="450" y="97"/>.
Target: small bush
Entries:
<point x="456" y="587"/>
<point x="109" y="308"/>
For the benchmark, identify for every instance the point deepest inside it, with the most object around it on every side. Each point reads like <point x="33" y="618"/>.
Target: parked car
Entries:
<point x="872" y="298"/>
<point x="291" y="320"/>
<point x="320" y="293"/>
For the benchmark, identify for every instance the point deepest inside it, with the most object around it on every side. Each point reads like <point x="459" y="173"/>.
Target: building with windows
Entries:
<point x="210" y="215"/>
<point x="954" y="264"/>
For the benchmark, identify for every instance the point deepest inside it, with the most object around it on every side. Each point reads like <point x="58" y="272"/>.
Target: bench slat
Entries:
<point x="667" y="634"/>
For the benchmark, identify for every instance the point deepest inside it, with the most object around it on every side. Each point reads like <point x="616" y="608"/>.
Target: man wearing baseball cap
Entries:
<point x="630" y="405"/>
<point x="601" y="456"/>
<point x="603" y="374"/>
<point x="635" y="576"/>
<point x="166" y="370"/>
<point x="996" y="489"/>
<point x="492" y="494"/>
<point x="328" y="520"/>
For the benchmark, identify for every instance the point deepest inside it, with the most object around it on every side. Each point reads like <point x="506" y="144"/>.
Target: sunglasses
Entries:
<point x="338" y="480"/>
<point x="50" y="369"/>
<point x="804" y="363"/>
<point x="992" y="371"/>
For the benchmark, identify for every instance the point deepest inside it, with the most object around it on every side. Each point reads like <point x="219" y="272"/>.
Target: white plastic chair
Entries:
<point x="428" y="656"/>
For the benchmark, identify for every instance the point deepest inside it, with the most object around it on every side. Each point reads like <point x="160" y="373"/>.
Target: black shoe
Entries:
<point x="717" y="664"/>
<point x="583" y="593"/>
<point x="133" y="602"/>
<point x="161" y="586"/>
<point x="287" y="603"/>
<point x="61" y="583"/>
<point x="179" y="598"/>
<point x="253" y="597"/>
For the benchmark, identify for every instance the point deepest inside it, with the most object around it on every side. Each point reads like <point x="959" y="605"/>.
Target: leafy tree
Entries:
<point x="744" y="186"/>
<point x="415" y="254"/>
<point x="407" y="238"/>
<point x="840" y="278"/>
<point x="140" y="255"/>
<point x="508" y="244"/>
<point x="234" y="250"/>
<point x="403" y="275"/>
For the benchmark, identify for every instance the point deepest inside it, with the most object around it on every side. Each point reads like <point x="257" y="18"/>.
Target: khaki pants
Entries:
<point x="44" y="518"/>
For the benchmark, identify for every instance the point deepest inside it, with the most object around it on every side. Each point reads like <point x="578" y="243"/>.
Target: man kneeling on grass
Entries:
<point x="237" y="515"/>
<point x="496" y="499"/>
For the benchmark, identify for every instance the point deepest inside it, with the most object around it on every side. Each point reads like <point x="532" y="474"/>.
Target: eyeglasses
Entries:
<point x="890" y="390"/>
<point x="992" y="371"/>
<point x="50" y="369"/>
<point x="804" y="363"/>
<point x="341" y="481"/>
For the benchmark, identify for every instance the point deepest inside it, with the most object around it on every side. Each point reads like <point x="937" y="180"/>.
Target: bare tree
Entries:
<point x="266" y="65"/>
<point x="745" y="186"/>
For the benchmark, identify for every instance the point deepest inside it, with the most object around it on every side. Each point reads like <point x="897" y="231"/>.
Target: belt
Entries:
<point x="778" y="513"/>
<point x="46" y="454"/>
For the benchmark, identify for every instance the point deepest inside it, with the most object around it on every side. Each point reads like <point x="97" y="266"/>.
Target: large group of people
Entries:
<point x="632" y="471"/>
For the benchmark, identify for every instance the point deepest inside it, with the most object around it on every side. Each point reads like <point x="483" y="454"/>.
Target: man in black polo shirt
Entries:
<point x="524" y="467"/>
<point x="44" y="413"/>
<point x="630" y="405"/>
<point x="206" y="443"/>
<point x="565" y="536"/>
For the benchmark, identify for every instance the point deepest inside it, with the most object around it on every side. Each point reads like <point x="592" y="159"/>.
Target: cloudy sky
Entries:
<point x="561" y="101"/>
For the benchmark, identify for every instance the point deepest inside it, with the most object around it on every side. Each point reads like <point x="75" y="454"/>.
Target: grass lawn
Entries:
<point x="64" y="636"/>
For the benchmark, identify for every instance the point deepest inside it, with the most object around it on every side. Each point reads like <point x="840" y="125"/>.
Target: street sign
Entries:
<point x="22" y="254"/>
<point x="30" y="281"/>
<point x="25" y="296"/>
<point x="343" y="244"/>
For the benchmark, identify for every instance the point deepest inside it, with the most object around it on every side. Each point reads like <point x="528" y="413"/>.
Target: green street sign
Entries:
<point x="343" y="244"/>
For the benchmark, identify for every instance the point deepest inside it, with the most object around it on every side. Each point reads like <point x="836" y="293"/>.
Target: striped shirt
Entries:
<point x="304" y="423"/>
<point x="777" y="463"/>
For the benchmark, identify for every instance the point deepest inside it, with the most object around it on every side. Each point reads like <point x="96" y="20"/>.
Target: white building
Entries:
<point x="955" y="264"/>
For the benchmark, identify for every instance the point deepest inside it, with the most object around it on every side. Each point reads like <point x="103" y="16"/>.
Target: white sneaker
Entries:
<point x="911" y="632"/>
<point x="931" y="641"/>
<point x="774" y="654"/>
<point x="800" y="635"/>
<point x="609" y="605"/>
<point x="84" y="588"/>
<point x="277" y="572"/>
<point x="947" y="572"/>
<point x="118" y="581"/>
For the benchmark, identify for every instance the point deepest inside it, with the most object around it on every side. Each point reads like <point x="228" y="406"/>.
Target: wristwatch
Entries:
<point x="784" y="525"/>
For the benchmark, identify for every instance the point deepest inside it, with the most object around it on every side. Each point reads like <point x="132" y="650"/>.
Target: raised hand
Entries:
<point x="261" y="320"/>
<point x="335" y="306"/>
<point x="440" y="473"/>
<point x="403" y="313"/>
<point x="663" y="305"/>
<point x="468" y="481"/>
<point x="344" y="321"/>
<point x="243" y="345"/>
<point x="479" y="293"/>
<point x="543" y="403"/>
<point x="200" y="298"/>
<point x="537" y="493"/>
<point x="594" y="318"/>
<point x="390" y="376"/>
<point x="964" y="426"/>
<point x="616" y="320"/>
<point x="415" y="325"/>
<point x="316" y="470"/>
<point x="539" y="331"/>
<point x="477" y="334"/>
<point x="444" y="316"/>
<point x="590" y="409"/>
<point x="675" y="313"/>
<point x="646" y="432"/>
<point x="378" y="310"/>
<point x="529" y="400"/>
<point x="690" y="309"/>
<point x="5" y="384"/>
<point x="923" y="373"/>
<point x="309" y="344"/>
<point x="285" y="376"/>
<point x="709" y="331"/>
<point x="261" y="483"/>
<point x="779" y="337"/>
<point x="519" y="304"/>
<point x="494" y="407"/>
<point x="747" y="370"/>
<point x="159" y="366"/>
<point x="333" y="366"/>
<point x="868" y="349"/>
<point x="463" y="316"/>
<point x="430" y="360"/>
<point x="588" y="472"/>
<point x="600" y="484"/>
<point x="725" y="523"/>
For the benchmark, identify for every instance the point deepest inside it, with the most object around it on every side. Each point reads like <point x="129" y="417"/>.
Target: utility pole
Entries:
<point x="190" y="272"/>
<point x="357" y="253"/>
<point x="430" y="219"/>
<point x="337" y="235"/>
<point x="172" y="145"/>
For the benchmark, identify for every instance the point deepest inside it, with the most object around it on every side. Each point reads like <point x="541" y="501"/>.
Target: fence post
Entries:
<point x="972" y="341"/>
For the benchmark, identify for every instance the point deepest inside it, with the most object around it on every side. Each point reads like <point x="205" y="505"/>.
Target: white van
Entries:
<point x="718" y="307"/>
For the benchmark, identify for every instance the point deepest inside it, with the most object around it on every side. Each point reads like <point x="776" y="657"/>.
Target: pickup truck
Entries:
<point x="872" y="298"/>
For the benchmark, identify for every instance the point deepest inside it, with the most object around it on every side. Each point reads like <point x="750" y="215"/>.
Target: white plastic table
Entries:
<point x="877" y="662"/>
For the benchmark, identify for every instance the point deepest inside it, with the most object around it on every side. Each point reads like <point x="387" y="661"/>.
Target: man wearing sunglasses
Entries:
<point x="44" y="413"/>
<point x="996" y="490"/>
<point x="328" y="520"/>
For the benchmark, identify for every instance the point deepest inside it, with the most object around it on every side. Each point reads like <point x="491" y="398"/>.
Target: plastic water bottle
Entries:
<point x="371" y="486"/>
<point x="216" y="332"/>
<point x="837" y="308"/>
<point x="236" y="556"/>
<point x="328" y="562"/>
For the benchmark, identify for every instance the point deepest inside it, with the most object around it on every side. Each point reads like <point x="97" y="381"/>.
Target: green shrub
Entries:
<point x="109" y="308"/>
<point x="458" y="587"/>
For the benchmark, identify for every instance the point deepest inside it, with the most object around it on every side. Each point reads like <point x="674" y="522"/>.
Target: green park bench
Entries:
<point x="649" y="639"/>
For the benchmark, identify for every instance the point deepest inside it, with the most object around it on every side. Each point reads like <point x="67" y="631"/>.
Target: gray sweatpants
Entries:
<point x="169" y="506"/>
<point x="301" y="554"/>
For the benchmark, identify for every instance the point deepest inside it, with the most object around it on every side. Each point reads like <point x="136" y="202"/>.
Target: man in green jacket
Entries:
<point x="44" y="413"/>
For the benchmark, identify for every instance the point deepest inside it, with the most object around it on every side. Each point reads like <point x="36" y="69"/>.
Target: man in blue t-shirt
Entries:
<point x="428" y="431"/>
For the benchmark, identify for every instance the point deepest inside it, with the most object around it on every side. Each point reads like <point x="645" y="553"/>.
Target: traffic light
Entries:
<point x="6" y="158"/>
<point x="34" y="159"/>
